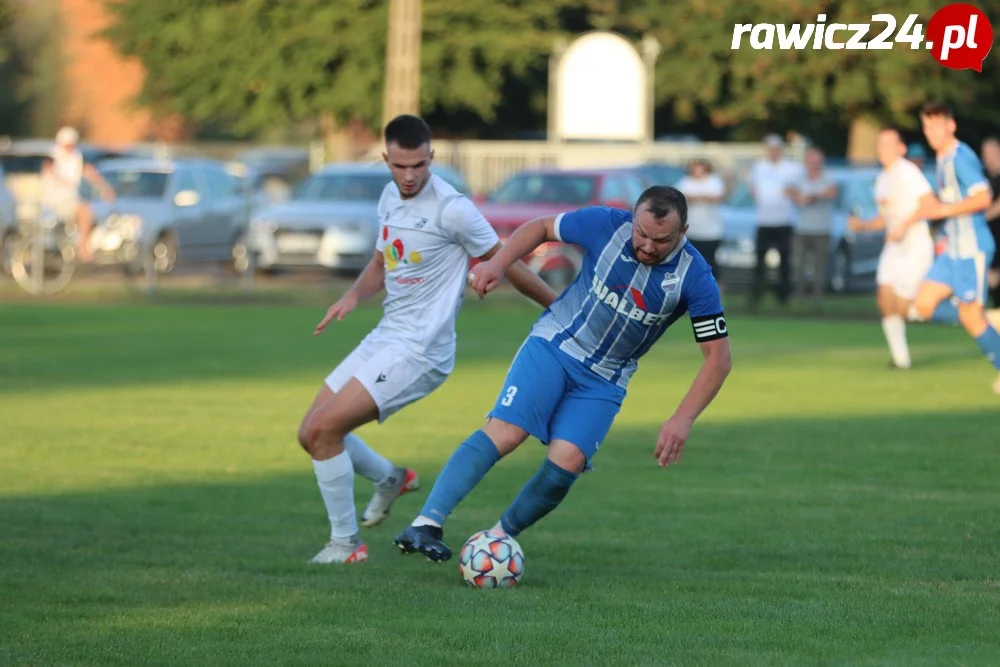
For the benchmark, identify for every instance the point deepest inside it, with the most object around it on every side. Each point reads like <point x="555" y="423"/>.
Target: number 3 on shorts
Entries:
<point x="508" y="396"/>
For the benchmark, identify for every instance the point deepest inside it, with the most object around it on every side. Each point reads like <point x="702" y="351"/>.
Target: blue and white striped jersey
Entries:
<point x="960" y="175"/>
<point x="617" y="308"/>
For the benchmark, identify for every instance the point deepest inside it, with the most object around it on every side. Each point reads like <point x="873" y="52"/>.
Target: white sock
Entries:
<point x="336" y="484"/>
<point x="912" y="315"/>
<point x="424" y="521"/>
<point x="894" y="327"/>
<point x="367" y="462"/>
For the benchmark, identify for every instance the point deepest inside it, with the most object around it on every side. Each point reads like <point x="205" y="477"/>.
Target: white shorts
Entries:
<point x="903" y="267"/>
<point x="391" y="373"/>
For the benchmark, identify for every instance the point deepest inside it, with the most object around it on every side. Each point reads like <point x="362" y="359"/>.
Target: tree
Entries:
<point x="30" y="67"/>
<point x="699" y="70"/>
<point x="257" y="63"/>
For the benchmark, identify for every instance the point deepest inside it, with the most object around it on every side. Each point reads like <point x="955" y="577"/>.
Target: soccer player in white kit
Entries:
<point x="899" y="190"/>
<point x="427" y="234"/>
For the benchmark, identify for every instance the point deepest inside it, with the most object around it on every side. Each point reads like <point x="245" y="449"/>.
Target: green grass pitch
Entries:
<point x="156" y="509"/>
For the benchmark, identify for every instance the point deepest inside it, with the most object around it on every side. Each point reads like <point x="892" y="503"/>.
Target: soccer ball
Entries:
<point x="491" y="559"/>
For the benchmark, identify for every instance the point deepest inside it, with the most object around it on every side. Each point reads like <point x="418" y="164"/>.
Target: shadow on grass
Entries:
<point x="773" y="542"/>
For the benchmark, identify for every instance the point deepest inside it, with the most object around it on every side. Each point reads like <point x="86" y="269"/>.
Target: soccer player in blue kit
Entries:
<point x="569" y="378"/>
<point x="959" y="274"/>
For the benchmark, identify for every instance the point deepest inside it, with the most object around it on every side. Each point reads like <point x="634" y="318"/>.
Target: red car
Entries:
<point x="536" y="193"/>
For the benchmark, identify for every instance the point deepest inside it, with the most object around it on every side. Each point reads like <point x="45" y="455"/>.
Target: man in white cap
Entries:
<point x="62" y="182"/>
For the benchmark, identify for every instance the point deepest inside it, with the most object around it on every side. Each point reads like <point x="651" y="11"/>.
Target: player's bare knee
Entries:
<point x="320" y="439"/>
<point x="972" y="318"/>
<point x="507" y="437"/>
<point x="567" y="456"/>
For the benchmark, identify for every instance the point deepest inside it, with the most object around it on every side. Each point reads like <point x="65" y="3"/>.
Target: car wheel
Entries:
<point x="241" y="256"/>
<point x="840" y="270"/>
<point x="164" y="253"/>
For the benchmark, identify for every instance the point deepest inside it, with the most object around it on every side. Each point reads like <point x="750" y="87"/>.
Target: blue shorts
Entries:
<point x="966" y="276"/>
<point x="553" y="396"/>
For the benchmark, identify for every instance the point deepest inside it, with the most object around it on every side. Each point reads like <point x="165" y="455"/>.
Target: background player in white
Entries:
<point x="428" y="232"/>
<point x="899" y="190"/>
<point x="960" y="271"/>
<point x="63" y="178"/>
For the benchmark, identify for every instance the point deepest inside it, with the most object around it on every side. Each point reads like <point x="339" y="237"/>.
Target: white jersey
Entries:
<point x="67" y="171"/>
<point x="898" y="190"/>
<point x="427" y="242"/>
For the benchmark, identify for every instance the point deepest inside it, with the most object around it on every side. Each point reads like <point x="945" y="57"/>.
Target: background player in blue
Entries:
<point x="568" y="380"/>
<point x="963" y="195"/>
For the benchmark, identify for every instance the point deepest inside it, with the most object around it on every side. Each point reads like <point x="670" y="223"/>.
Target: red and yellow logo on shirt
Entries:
<point x="395" y="252"/>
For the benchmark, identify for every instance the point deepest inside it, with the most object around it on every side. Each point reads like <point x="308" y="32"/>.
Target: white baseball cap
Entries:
<point x="774" y="141"/>
<point x="67" y="135"/>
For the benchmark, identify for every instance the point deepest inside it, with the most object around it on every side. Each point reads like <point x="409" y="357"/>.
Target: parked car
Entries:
<point x="853" y="256"/>
<point x="661" y="173"/>
<point x="330" y="220"/>
<point x="540" y="192"/>
<point x="171" y="212"/>
<point x="8" y="223"/>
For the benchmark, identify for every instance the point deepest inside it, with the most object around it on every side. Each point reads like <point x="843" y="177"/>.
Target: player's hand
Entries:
<point x="673" y="434"/>
<point x="485" y="277"/>
<point x="931" y="209"/>
<point x="346" y="304"/>
<point x="854" y="223"/>
<point x="896" y="234"/>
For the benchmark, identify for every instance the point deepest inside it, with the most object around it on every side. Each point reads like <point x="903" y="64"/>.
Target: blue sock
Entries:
<point x="540" y="495"/>
<point x="946" y="312"/>
<point x="466" y="468"/>
<point x="989" y="343"/>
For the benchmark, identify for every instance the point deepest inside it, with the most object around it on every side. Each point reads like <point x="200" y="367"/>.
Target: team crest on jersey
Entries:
<point x="670" y="282"/>
<point x="395" y="253"/>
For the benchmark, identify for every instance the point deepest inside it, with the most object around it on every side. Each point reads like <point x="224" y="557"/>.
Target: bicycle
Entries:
<point x="43" y="255"/>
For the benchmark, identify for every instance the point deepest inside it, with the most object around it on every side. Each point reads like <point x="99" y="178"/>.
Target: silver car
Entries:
<point x="8" y="223"/>
<point x="170" y="212"/>
<point x="330" y="221"/>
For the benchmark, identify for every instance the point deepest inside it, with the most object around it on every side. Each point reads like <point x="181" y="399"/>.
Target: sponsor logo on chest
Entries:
<point x="627" y="301"/>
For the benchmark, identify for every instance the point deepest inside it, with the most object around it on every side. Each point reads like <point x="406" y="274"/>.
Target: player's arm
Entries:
<point x="713" y="373"/>
<point x="369" y="283"/>
<point x="94" y="177"/>
<point x="870" y="225"/>
<point x="525" y="281"/>
<point x="712" y="335"/>
<point x="525" y="240"/>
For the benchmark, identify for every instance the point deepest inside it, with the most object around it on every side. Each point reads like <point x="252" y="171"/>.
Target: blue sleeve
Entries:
<point x="704" y="306"/>
<point x="590" y="228"/>
<point x="969" y="172"/>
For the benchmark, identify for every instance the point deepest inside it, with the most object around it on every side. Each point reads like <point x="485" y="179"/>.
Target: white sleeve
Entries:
<point x="463" y="222"/>
<point x="715" y="187"/>
<point x="916" y="183"/>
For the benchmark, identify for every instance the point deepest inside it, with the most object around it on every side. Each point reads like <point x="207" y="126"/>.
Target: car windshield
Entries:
<point x="572" y="189"/>
<point x="23" y="164"/>
<point x="341" y="187"/>
<point x="135" y="183"/>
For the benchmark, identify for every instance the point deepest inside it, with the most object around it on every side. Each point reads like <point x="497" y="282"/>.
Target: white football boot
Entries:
<point x="345" y="550"/>
<point x="402" y="480"/>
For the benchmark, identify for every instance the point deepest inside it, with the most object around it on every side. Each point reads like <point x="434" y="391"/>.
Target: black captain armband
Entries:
<point x="709" y="327"/>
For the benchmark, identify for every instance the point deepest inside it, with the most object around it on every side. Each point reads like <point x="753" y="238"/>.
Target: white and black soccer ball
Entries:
<point x="491" y="559"/>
